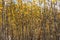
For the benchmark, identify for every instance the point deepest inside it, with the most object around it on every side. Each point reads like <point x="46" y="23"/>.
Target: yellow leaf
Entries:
<point x="35" y="0"/>
<point x="53" y="1"/>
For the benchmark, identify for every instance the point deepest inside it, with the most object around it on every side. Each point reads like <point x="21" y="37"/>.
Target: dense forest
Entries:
<point x="29" y="20"/>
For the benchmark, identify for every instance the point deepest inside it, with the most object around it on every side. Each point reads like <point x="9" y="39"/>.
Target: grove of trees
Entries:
<point x="29" y="21"/>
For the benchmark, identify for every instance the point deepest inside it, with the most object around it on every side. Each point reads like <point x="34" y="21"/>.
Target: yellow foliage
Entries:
<point x="34" y="0"/>
<point x="23" y="19"/>
<point x="53" y="1"/>
<point x="41" y="1"/>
